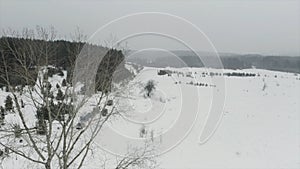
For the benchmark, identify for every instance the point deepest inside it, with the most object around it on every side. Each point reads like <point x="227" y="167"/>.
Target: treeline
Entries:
<point x="20" y="59"/>
<point x="241" y="74"/>
<point x="229" y="61"/>
<point x="276" y="63"/>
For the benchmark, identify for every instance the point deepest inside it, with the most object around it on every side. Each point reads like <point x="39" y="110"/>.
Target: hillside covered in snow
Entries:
<point x="259" y="126"/>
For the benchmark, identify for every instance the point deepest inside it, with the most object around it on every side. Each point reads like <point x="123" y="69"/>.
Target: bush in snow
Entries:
<point x="143" y="131"/>
<point x="109" y="103"/>
<point x="104" y="112"/>
<point x="149" y="87"/>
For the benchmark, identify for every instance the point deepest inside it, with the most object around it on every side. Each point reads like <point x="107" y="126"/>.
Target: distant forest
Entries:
<point x="230" y="61"/>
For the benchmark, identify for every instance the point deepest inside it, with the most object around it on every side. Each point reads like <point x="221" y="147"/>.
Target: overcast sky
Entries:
<point x="239" y="26"/>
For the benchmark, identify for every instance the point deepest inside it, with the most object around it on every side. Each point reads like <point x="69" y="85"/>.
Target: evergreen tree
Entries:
<point x="2" y="110"/>
<point x="64" y="82"/>
<point x="2" y="115"/>
<point x="41" y="127"/>
<point x="8" y="103"/>
<point x="48" y="87"/>
<point x="60" y="95"/>
<point x="17" y="130"/>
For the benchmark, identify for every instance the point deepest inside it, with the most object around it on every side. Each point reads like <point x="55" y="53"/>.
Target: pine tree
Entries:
<point x="60" y="95"/>
<point x="41" y="127"/>
<point x="64" y="82"/>
<point x="2" y="115"/>
<point x="17" y="130"/>
<point x="8" y="103"/>
<point x="2" y="110"/>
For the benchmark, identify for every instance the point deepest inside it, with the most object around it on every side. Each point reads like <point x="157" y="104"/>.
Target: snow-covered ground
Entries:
<point x="260" y="126"/>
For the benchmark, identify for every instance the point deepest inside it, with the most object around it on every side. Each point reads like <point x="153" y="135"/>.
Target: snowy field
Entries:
<point x="260" y="126"/>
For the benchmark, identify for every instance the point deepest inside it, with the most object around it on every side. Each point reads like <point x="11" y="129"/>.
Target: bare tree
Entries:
<point x="63" y="134"/>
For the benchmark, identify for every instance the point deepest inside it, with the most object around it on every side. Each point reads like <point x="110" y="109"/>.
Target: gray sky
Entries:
<point x="239" y="26"/>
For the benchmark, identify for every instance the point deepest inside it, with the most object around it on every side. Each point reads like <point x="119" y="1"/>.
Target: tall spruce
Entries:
<point x="8" y="103"/>
<point x="60" y="95"/>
